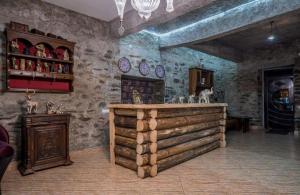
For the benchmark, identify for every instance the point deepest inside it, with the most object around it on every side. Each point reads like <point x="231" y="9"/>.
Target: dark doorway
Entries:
<point x="279" y="101"/>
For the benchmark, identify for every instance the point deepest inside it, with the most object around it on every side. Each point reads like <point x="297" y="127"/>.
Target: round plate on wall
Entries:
<point x="160" y="71"/>
<point x="144" y="68"/>
<point x="124" y="65"/>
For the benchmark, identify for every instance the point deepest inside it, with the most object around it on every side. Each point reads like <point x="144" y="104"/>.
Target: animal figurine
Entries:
<point x="31" y="105"/>
<point x="204" y="95"/>
<point x="191" y="99"/>
<point x="51" y="109"/>
<point x="173" y="100"/>
<point x="136" y="97"/>
<point x="181" y="99"/>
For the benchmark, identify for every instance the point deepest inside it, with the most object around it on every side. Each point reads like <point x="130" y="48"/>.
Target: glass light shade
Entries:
<point x="170" y="6"/>
<point x="121" y="7"/>
<point x="145" y="7"/>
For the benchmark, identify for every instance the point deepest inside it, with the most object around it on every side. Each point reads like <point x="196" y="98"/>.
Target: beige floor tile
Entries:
<point x="253" y="163"/>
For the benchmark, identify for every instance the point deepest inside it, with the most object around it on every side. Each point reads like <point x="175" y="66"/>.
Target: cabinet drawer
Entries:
<point x="45" y="120"/>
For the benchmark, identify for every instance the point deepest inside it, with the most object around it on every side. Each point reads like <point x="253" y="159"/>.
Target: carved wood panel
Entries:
<point x="49" y="142"/>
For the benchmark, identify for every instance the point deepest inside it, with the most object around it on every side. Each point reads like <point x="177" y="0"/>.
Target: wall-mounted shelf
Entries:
<point x="200" y="79"/>
<point x="49" y="69"/>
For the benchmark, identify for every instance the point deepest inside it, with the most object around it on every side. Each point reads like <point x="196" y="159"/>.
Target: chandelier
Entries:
<point x="143" y="7"/>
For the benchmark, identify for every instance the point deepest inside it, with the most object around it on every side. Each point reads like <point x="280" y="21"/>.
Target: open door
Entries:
<point x="279" y="101"/>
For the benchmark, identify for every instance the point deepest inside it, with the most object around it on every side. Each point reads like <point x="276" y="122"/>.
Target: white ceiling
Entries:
<point x="101" y="9"/>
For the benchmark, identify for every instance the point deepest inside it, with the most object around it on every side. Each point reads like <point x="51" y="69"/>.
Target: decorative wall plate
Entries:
<point x="124" y="65"/>
<point x="160" y="71"/>
<point x="144" y="68"/>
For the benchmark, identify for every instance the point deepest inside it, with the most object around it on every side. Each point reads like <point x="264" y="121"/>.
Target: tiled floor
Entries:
<point x="253" y="163"/>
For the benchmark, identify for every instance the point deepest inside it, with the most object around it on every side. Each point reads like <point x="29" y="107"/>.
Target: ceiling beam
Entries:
<point x="133" y="23"/>
<point x="219" y="50"/>
<point x="231" y="21"/>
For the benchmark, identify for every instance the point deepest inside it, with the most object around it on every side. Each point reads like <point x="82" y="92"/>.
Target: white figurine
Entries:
<point x="174" y="99"/>
<point x="181" y="99"/>
<point x="191" y="99"/>
<point x="204" y="95"/>
<point x="31" y="105"/>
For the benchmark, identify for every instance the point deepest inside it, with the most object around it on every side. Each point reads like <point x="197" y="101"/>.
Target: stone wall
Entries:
<point x="250" y="78"/>
<point x="177" y="62"/>
<point x="97" y="77"/>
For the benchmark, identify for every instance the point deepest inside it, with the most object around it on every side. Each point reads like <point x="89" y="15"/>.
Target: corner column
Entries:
<point x="112" y="132"/>
<point x="223" y="129"/>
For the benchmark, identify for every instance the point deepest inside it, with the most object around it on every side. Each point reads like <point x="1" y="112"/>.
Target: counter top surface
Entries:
<point x="152" y="106"/>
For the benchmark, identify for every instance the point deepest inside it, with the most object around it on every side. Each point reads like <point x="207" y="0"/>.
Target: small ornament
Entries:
<point x="46" y="66"/>
<point x="204" y="95"/>
<point x="15" y="63"/>
<point x="52" y="67"/>
<point x="31" y="105"/>
<point x="52" y="109"/>
<point x="60" y="68"/>
<point x="66" y="55"/>
<point x="144" y="68"/>
<point x="181" y="99"/>
<point x="136" y="97"/>
<point x="38" y="67"/>
<point x="191" y="99"/>
<point x="30" y="65"/>
<point x="27" y="51"/>
<point x="66" y="69"/>
<point x="32" y="51"/>
<point x="41" y="51"/>
<point x="23" y="64"/>
<point x="59" y="53"/>
<point x="124" y="65"/>
<point x="160" y="71"/>
<point x="14" y="46"/>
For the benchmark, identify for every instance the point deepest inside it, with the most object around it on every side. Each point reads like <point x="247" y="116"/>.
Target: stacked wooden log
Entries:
<point x="152" y="140"/>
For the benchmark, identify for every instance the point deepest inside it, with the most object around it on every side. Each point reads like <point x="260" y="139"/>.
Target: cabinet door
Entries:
<point x="194" y="76"/>
<point x="49" y="143"/>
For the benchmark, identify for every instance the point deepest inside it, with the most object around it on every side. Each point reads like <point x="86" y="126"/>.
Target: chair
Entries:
<point x="6" y="152"/>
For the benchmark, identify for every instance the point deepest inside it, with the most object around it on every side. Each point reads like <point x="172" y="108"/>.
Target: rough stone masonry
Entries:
<point x="97" y="78"/>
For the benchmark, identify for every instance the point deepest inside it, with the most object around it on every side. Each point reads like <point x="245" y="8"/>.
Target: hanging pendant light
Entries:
<point x="121" y="7"/>
<point x="145" y="7"/>
<point x="170" y="6"/>
<point x="271" y="37"/>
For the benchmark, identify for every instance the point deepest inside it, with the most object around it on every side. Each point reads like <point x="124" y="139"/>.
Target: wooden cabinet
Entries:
<point x="200" y="79"/>
<point x="38" y="62"/>
<point x="45" y="142"/>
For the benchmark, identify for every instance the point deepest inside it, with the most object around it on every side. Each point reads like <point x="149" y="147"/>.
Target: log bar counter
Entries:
<point x="154" y="137"/>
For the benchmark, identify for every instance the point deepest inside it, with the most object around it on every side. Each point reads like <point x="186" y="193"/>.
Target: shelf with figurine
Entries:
<point x="39" y="62"/>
